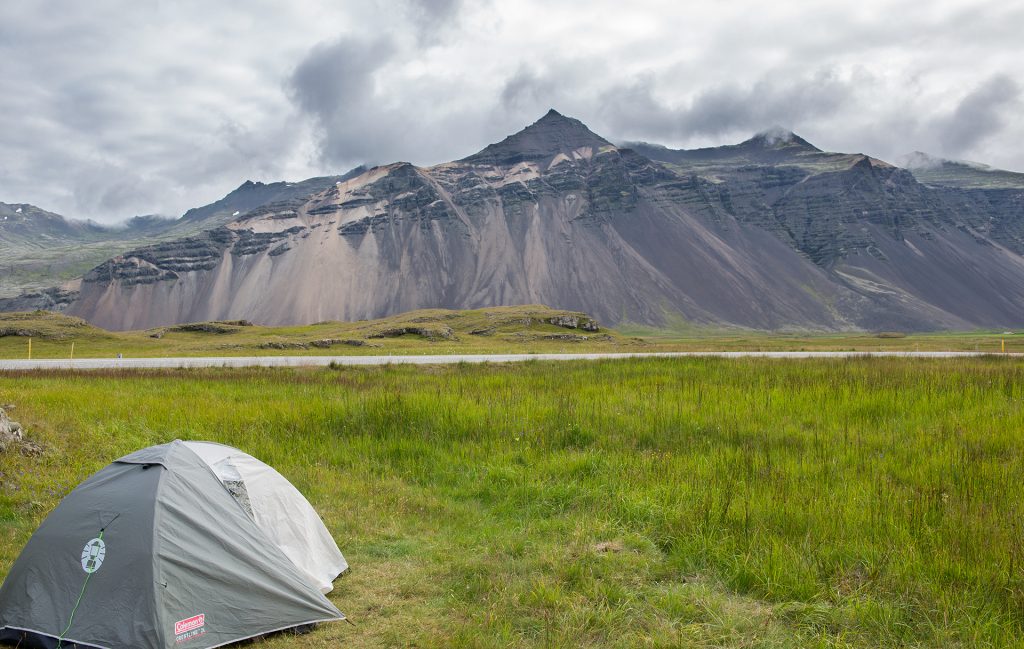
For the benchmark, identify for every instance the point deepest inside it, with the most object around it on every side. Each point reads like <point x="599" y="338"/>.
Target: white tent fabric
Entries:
<point x="280" y="511"/>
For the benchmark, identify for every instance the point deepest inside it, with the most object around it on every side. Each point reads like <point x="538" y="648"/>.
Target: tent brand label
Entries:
<point x="189" y="628"/>
<point x="93" y="554"/>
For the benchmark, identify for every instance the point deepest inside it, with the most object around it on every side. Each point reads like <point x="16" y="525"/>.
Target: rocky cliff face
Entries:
<point x="771" y="233"/>
<point x="946" y="254"/>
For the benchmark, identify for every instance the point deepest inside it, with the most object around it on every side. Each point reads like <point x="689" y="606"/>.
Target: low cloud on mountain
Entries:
<point x="115" y="108"/>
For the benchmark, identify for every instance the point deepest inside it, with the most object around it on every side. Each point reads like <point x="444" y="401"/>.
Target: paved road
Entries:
<point x="300" y="361"/>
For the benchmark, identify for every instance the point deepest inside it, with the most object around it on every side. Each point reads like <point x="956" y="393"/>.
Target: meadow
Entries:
<point x="872" y="502"/>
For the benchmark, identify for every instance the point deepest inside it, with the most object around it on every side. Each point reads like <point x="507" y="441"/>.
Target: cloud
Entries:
<point x="114" y="108"/>
<point x="432" y="18"/>
<point x="334" y="84"/>
<point x="644" y="109"/>
<point x="108" y="188"/>
<point x="979" y="115"/>
<point x="337" y="76"/>
<point x="365" y="112"/>
<point x="770" y="100"/>
<point x="119" y="109"/>
<point x="527" y="89"/>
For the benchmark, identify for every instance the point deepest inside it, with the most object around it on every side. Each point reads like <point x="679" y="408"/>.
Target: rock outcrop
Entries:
<point x="13" y="437"/>
<point x="47" y="299"/>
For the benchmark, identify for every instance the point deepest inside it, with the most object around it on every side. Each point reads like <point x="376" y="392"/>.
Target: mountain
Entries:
<point x="953" y="243"/>
<point x="771" y="146"/>
<point x="941" y="172"/>
<point x="38" y="247"/>
<point x="771" y="233"/>
<point x="251" y="195"/>
<point x="554" y="214"/>
<point x="22" y="224"/>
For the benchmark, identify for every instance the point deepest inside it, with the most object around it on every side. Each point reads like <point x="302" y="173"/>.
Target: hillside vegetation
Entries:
<point x="531" y="328"/>
<point x="522" y="329"/>
<point x="655" y="503"/>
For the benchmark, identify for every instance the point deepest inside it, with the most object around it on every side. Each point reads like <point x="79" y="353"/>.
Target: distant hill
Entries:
<point x="39" y="248"/>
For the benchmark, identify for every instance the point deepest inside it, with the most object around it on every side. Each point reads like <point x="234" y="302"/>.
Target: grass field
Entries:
<point x="520" y="329"/>
<point x="654" y="503"/>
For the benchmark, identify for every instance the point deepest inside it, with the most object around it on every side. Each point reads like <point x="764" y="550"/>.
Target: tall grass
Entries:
<point x="697" y="502"/>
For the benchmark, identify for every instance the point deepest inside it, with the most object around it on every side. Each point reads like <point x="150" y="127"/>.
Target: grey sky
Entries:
<point x="112" y="109"/>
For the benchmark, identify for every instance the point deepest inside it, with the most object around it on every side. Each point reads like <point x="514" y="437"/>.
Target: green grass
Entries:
<point x="518" y="329"/>
<point x="654" y="503"/>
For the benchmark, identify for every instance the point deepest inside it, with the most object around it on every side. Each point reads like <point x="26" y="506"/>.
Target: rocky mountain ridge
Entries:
<point x="772" y="233"/>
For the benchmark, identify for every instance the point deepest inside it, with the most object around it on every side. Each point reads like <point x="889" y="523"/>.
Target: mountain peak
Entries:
<point x="920" y="160"/>
<point x="778" y="137"/>
<point x="552" y="134"/>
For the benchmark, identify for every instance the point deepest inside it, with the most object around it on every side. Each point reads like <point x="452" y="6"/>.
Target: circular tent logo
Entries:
<point x="93" y="554"/>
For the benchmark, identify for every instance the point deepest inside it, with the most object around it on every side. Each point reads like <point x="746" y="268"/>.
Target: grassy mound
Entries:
<point x="47" y="325"/>
<point x="531" y="328"/>
<point x="503" y="330"/>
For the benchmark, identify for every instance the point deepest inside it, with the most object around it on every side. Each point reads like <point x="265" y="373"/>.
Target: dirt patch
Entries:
<point x="606" y="547"/>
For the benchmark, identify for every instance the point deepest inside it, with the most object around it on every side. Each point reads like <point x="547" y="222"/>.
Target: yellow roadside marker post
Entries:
<point x="1002" y="345"/>
<point x="30" y="347"/>
<point x="72" y="351"/>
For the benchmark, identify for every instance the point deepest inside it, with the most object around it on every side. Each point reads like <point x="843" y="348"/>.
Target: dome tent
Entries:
<point x="279" y="509"/>
<point x="152" y="552"/>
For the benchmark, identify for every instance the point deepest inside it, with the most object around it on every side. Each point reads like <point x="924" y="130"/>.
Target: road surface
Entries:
<point x="437" y="359"/>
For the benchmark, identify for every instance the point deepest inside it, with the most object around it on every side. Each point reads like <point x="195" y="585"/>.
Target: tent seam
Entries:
<point x="156" y="562"/>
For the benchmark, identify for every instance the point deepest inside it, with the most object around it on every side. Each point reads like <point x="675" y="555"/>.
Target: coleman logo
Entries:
<point x="93" y="554"/>
<point x="189" y="628"/>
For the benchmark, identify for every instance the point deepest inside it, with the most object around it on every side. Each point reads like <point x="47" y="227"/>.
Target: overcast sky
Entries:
<point x="112" y="109"/>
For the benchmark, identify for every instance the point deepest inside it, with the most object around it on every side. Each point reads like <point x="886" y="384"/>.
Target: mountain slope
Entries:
<point x="941" y="252"/>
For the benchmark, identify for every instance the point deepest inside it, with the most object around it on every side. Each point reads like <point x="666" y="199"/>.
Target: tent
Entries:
<point x="153" y="552"/>
<point x="279" y="509"/>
